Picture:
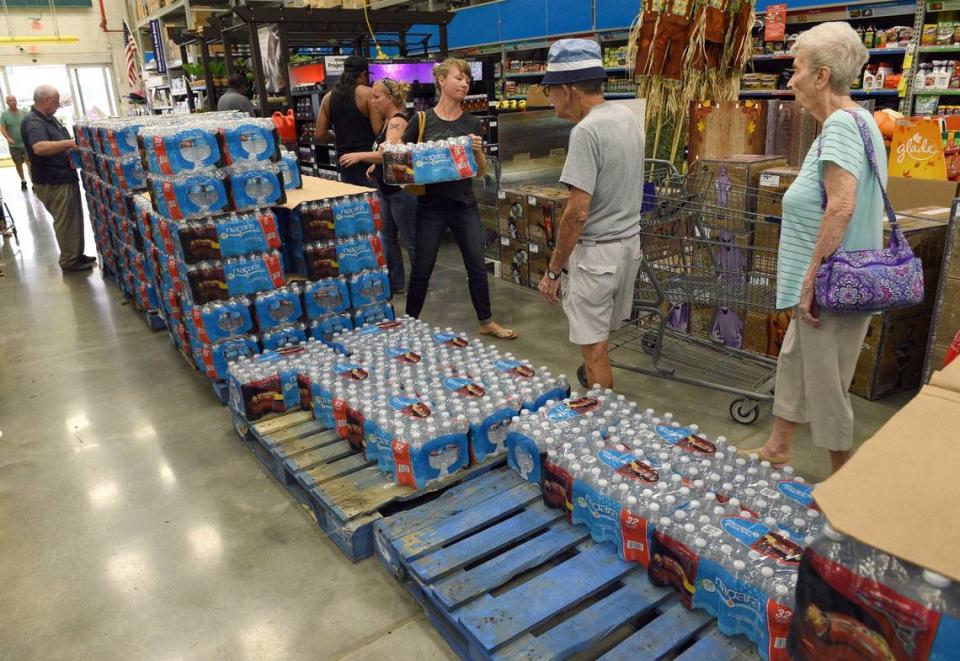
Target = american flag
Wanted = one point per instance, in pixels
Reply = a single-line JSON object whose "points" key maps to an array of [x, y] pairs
{"points": [[133, 77]]}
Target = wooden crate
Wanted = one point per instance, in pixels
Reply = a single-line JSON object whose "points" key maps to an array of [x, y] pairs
{"points": [[344, 491], [724, 128], [791, 131], [502, 576], [892, 356]]}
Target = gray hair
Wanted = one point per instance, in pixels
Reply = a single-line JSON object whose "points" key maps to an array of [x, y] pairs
{"points": [[44, 92], [836, 46]]}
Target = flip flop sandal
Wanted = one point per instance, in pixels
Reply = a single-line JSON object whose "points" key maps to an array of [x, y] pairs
{"points": [[502, 334], [776, 460]]}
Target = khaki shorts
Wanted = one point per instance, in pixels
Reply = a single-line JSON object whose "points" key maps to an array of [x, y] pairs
{"points": [[598, 288], [814, 371], [17, 155]]}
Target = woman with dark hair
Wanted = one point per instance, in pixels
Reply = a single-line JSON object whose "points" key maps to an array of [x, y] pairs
{"points": [[399, 208], [348, 111]]}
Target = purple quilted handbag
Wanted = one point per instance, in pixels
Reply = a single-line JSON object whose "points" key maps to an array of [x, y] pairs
{"points": [[870, 280]]}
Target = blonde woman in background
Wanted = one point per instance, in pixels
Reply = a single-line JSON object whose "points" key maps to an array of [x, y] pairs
{"points": [[398, 207], [451, 204]]}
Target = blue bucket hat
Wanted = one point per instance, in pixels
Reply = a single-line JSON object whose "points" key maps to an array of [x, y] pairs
{"points": [[574, 61]]}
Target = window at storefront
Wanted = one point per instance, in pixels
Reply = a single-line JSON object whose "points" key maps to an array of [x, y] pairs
{"points": [[85, 90]]}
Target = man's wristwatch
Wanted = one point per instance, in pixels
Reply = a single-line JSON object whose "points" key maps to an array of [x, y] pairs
{"points": [[552, 275]]}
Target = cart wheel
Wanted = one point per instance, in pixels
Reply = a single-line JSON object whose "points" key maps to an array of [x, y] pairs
{"points": [[649, 342], [745, 411], [582, 376]]}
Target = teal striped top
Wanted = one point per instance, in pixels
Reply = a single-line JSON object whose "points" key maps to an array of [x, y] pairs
{"points": [[802, 211]]}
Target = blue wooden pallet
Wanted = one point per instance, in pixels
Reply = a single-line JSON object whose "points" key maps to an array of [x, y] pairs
{"points": [[344, 491], [221, 390], [502, 576], [155, 320]]}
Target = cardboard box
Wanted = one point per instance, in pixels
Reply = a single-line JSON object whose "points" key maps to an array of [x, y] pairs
{"points": [[947, 321], [544, 208], [515, 261], [731, 182], [916, 447], [718, 129], [491, 232], [512, 214], [539, 261], [315, 188], [755, 333], [791, 131], [906, 192], [892, 356], [772, 184]]}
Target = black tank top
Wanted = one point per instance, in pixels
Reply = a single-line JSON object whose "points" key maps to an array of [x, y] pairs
{"points": [[352, 127], [385, 187]]}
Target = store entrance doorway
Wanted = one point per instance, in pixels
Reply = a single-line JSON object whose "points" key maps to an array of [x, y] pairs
{"points": [[85, 90]]}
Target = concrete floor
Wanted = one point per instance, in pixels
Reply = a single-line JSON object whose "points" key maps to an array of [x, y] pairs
{"points": [[133, 524]]}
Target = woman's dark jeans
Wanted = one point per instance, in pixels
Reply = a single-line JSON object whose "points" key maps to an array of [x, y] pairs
{"points": [[398, 209], [434, 216]]}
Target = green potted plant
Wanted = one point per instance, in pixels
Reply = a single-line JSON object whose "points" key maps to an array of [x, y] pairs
{"points": [[218, 69], [194, 71]]}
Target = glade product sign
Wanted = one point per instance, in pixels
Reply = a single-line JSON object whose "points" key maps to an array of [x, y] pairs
{"points": [[917, 151]]}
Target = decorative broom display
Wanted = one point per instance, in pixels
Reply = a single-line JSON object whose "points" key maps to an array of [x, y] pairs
{"points": [[687, 50]]}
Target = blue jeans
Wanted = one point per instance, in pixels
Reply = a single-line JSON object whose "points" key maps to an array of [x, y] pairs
{"points": [[434, 216], [399, 212]]}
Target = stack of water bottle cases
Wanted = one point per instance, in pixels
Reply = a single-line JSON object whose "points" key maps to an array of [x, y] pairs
{"points": [[421, 401], [202, 243], [727, 532]]}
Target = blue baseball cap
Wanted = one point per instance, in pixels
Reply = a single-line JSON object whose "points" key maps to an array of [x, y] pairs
{"points": [[574, 61]]}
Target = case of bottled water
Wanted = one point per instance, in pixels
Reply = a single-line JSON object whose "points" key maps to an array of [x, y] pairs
{"points": [[855, 601], [249, 140], [429, 162]]}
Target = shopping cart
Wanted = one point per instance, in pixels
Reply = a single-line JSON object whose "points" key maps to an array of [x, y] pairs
{"points": [[7, 222], [709, 256]]}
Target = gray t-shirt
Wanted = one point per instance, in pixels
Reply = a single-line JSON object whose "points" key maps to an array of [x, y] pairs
{"points": [[232, 100], [605, 159]]}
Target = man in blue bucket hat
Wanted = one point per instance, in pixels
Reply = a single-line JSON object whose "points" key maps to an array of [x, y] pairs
{"points": [[597, 254]]}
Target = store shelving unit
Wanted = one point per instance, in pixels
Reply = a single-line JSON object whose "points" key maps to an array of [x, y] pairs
{"points": [[537, 52], [858, 15]]}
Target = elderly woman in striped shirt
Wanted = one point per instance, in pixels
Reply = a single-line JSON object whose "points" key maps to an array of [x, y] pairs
{"points": [[836, 200]]}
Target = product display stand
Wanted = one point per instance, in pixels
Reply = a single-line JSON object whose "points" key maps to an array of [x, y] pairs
{"points": [[501, 522], [344, 490]]}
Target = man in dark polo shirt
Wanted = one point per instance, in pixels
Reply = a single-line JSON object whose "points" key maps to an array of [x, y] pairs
{"points": [[47, 142]]}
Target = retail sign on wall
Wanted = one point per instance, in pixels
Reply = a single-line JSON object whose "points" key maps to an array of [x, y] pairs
{"points": [[334, 65], [917, 151], [775, 26], [157, 40]]}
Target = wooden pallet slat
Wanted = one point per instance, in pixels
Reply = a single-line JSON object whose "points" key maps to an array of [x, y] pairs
{"points": [[661, 636], [716, 645], [344, 491], [451, 503], [496, 621], [450, 558], [637, 597], [451, 529], [501, 576], [467, 584]]}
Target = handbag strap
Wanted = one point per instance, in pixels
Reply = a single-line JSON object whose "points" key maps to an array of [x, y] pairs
{"points": [[422, 121], [872, 158]]}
